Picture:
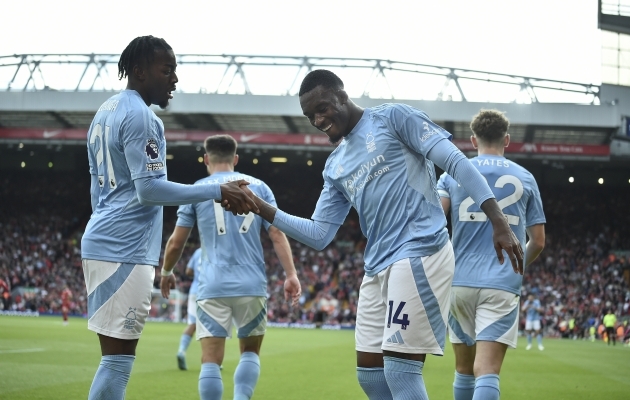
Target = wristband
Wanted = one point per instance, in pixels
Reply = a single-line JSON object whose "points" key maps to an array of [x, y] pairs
{"points": [[166, 273]]}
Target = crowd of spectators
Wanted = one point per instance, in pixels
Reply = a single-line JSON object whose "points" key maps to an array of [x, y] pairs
{"points": [[582, 272]]}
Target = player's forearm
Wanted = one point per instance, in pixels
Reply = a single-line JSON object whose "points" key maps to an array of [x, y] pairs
{"points": [[158, 192], [448, 157], [266, 210], [532, 251], [283, 251], [172, 254], [491, 208]]}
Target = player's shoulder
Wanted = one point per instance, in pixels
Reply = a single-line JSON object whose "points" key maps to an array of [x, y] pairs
{"points": [[395, 110]]}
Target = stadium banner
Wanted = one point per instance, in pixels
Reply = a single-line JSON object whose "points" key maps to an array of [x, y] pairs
{"points": [[266, 138], [20, 313], [296, 325]]}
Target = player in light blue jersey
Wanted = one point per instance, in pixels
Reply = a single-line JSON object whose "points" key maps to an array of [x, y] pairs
{"points": [[193, 268], [533, 309], [232, 283], [383, 167], [121, 244], [483, 318]]}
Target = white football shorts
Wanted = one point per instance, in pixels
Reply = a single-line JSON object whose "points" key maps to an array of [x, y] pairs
{"points": [[532, 325], [489, 315], [215, 317], [119, 297], [192, 309], [404, 308]]}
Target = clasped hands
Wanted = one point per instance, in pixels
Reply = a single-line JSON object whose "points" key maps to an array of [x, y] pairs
{"points": [[237, 198]]}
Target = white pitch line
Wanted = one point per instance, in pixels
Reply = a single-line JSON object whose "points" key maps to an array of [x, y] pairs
{"points": [[21, 351]]}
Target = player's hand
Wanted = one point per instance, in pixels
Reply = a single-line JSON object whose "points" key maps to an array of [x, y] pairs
{"points": [[237, 198], [292, 290], [166, 284], [504, 239]]}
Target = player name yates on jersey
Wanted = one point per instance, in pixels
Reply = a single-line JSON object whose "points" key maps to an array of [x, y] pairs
{"points": [[493, 162]]}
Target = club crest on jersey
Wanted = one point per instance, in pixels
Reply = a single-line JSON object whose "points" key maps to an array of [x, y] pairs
{"points": [[152, 149], [369, 143], [130, 319]]}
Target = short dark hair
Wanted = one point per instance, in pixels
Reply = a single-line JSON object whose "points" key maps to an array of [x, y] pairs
{"points": [[320, 77], [140, 49], [490, 126], [220, 148]]}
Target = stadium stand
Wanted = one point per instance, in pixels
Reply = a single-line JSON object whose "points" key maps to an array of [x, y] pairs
{"points": [[582, 272]]}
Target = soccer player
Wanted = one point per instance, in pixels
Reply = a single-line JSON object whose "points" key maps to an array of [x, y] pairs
{"points": [[121, 244], [192, 269], [533, 309], [610, 320], [66, 296], [483, 318], [383, 167], [232, 284]]}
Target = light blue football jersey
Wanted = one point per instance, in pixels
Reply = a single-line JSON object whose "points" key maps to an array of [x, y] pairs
{"points": [[233, 263], [195, 264], [516, 191], [380, 168], [125, 142], [532, 309]]}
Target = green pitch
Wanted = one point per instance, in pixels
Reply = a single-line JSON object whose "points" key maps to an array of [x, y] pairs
{"points": [[41, 359]]}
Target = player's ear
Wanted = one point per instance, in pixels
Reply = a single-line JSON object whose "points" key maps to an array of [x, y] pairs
{"points": [[139, 73], [342, 96], [473, 140], [235, 159], [506, 140], [206, 160]]}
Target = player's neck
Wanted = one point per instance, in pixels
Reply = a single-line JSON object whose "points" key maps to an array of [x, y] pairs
{"points": [[490, 151], [132, 85], [214, 168]]}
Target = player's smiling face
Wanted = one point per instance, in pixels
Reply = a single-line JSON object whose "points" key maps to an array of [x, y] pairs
{"points": [[161, 78], [327, 110]]}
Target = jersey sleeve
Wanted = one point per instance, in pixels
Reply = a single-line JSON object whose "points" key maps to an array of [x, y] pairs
{"points": [[144, 145], [267, 195], [443, 187], [186, 216], [534, 214], [415, 129], [332, 206]]}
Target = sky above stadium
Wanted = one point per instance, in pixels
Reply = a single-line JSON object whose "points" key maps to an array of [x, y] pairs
{"points": [[552, 39]]}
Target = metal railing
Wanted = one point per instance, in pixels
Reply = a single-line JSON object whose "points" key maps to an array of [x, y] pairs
{"points": [[280, 75]]}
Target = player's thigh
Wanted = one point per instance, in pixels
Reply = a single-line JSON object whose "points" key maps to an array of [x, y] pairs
{"points": [[371, 312], [418, 299], [489, 357], [250, 315], [119, 297], [462, 314], [497, 317], [212, 350], [192, 309], [214, 318]]}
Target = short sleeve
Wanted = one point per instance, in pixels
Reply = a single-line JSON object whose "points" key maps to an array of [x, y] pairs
{"points": [[415, 129], [186, 216], [442, 186], [267, 195], [332, 206], [534, 214], [142, 137]]}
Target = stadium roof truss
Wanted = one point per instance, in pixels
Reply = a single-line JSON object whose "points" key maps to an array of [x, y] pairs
{"points": [[280, 75]]}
